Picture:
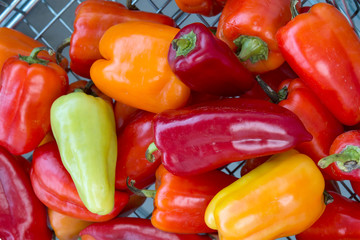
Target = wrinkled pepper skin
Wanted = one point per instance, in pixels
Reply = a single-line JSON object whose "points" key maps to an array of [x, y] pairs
{"points": [[132, 229], [194, 49], [267, 203], [135, 70], [340, 221], [55, 188], [84, 129], [253, 18], [92, 19], [23, 216], [27, 92], [224, 131], [322, 48], [206, 8]]}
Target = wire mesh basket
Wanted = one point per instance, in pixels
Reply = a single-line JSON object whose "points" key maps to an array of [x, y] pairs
{"points": [[52, 21]]}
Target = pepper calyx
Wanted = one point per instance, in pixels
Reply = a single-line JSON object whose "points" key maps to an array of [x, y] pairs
{"points": [[33, 58], [251, 48], [185, 44], [347, 160]]}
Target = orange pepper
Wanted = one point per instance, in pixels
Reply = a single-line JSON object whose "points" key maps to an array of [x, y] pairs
{"points": [[135, 70]]}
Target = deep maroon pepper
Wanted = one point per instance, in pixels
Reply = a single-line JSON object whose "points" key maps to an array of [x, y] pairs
{"points": [[340, 221], [132, 229], [204, 137], [206, 64], [22, 215]]}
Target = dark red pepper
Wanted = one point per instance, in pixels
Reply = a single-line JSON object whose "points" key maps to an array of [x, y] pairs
{"points": [[194, 49], [356, 187], [207, 136], [23, 216]]}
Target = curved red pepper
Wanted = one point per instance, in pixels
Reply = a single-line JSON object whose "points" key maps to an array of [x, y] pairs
{"points": [[194, 49], [204, 137], [27, 91], [322, 48], [132, 229], [55, 188], [340, 221], [23, 216]]}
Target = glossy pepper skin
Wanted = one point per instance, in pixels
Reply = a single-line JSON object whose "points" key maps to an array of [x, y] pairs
{"points": [[322, 48], [132, 229], [207, 8], [84, 50], [135, 70], [224, 131], [23, 216], [84, 129], [55, 188], [340, 221], [267, 203], [27, 91], [194, 49], [249, 28]]}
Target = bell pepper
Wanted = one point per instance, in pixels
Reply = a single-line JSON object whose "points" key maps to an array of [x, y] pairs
{"points": [[84, 129], [344, 157], [92, 19], [194, 49], [180, 202], [132, 144], [249, 28], [321, 47], [206, 8], [135, 70], [29, 86], [23, 216], [340, 221], [132, 229], [280, 198], [222, 132], [55, 188]]}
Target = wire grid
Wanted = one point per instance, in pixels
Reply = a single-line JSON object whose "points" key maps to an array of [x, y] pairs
{"points": [[52, 21]]}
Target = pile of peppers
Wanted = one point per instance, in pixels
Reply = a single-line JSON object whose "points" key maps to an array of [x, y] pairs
{"points": [[274, 88]]}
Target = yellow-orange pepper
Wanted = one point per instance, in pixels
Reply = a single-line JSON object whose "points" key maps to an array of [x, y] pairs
{"points": [[282, 197], [135, 70]]}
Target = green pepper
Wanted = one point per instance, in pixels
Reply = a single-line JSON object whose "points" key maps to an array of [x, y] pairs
{"points": [[84, 129]]}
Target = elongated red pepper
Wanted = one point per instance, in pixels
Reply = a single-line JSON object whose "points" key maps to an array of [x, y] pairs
{"points": [[194, 49], [204, 137], [23, 216], [340, 221], [55, 188], [92, 19], [322, 48], [132, 229], [29, 86]]}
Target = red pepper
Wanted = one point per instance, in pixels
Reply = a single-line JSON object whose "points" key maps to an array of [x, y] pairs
{"points": [[123, 115], [344, 158], [322, 48], [194, 49], [207, 136], [356, 187], [180, 202], [23, 216], [92, 19], [132, 229], [340, 221], [249, 28], [207, 8], [55, 188], [29, 86], [132, 144]]}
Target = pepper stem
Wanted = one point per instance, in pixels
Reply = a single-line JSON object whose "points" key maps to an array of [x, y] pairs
{"points": [[185, 44], [293, 9], [135, 190], [65, 43], [130, 5], [272, 94], [149, 152], [328, 198], [251, 48], [33, 58], [346, 161]]}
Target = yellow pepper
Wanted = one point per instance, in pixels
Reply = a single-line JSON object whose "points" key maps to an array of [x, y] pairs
{"points": [[282, 197]]}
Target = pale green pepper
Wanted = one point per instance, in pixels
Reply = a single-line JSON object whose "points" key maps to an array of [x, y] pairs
{"points": [[84, 129]]}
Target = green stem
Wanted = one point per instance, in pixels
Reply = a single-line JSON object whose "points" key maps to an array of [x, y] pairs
{"points": [[327, 198], [185, 44], [135, 190], [251, 48], [65, 43], [272, 94], [346, 161], [293, 9], [33, 58], [149, 152]]}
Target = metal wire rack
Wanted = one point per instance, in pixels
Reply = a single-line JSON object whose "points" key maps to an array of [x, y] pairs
{"points": [[52, 21]]}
